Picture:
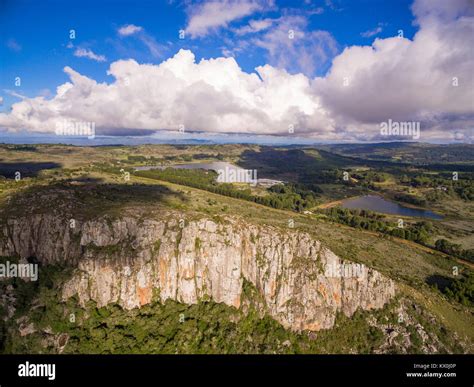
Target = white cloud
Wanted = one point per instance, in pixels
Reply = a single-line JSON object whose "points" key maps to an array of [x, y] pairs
{"points": [[213, 95], [226, 52], [255, 26], [129, 29], [209, 16], [330, 4], [86, 53], [290, 45], [45, 92], [156, 50], [369, 33], [439, 11], [14, 94], [153, 46], [428, 79]]}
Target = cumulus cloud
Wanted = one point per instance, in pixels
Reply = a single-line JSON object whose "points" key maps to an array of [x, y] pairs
{"points": [[86, 53], [213, 95], [206, 17], [428, 79], [129, 29], [439, 11]]}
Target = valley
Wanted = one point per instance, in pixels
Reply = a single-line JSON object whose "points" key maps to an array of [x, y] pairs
{"points": [[171, 261]]}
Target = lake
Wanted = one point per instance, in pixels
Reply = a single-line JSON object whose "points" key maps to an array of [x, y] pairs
{"points": [[227, 172], [379, 204], [214, 165]]}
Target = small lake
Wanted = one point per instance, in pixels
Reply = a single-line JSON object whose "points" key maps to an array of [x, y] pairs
{"points": [[228, 173], [214, 165], [378, 204]]}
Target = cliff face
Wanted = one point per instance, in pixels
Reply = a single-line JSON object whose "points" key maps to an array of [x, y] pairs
{"points": [[129, 260]]}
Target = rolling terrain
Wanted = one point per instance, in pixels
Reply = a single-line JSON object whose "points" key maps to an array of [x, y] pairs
{"points": [[155, 262]]}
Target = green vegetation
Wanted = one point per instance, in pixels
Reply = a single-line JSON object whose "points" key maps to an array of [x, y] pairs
{"points": [[418, 232], [294, 197], [86, 183], [206, 327], [372, 221], [410, 153], [26, 293], [462, 290], [454, 249]]}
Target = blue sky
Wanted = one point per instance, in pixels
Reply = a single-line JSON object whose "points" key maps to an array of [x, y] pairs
{"points": [[41, 33], [329, 70]]}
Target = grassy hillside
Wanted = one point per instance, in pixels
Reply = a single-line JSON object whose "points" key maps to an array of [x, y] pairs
{"points": [[88, 183]]}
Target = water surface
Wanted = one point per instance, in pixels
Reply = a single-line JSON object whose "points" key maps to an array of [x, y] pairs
{"points": [[379, 204], [213, 165]]}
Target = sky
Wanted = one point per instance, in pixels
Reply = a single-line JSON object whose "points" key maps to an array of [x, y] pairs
{"points": [[321, 70]]}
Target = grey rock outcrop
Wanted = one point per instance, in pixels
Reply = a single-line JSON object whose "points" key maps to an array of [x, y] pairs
{"points": [[129, 261]]}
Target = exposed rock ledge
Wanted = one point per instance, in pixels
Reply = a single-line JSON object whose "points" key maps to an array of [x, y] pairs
{"points": [[127, 260]]}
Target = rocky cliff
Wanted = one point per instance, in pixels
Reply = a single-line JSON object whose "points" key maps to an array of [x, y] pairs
{"points": [[129, 260]]}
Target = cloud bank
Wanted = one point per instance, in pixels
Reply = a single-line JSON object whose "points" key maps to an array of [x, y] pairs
{"points": [[428, 79]]}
